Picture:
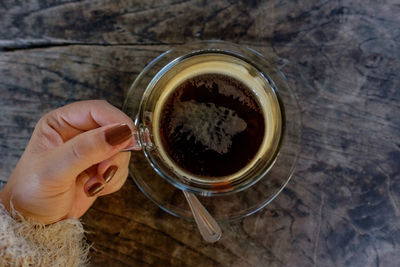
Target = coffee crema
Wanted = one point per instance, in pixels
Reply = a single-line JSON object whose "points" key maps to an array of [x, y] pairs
{"points": [[212, 125]]}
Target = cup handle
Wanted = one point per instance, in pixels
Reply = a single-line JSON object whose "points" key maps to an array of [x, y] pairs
{"points": [[144, 139], [138, 145]]}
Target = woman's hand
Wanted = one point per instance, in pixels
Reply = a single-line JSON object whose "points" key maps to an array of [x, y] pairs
{"points": [[72, 158]]}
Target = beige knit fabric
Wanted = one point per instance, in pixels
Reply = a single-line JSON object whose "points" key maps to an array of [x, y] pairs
{"points": [[26, 243]]}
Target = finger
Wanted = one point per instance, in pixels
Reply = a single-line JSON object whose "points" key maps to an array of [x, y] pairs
{"points": [[110, 175], [117, 182], [114, 172], [82, 202], [73, 119], [108, 168], [94, 185], [87, 149], [91, 171], [89, 178]]}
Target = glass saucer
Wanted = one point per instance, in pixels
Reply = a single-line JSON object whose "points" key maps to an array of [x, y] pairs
{"points": [[237, 204]]}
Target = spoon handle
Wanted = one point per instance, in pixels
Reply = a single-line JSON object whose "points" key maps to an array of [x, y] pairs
{"points": [[208, 227]]}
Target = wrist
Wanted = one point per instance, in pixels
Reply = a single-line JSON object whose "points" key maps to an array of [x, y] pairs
{"points": [[4, 198]]}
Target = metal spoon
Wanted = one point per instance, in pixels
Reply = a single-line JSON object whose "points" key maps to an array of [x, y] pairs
{"points": [[208, 227]]}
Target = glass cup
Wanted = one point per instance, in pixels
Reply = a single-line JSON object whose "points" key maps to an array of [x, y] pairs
{"points": [[157, 82]]}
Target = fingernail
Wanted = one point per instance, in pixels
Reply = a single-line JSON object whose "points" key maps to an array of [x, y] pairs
{"points": [[94, 189], [135, 141], [109, 174], [118, 134]]}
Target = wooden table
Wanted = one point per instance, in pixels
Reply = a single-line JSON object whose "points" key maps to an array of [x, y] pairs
{"points": [[342, 206]]}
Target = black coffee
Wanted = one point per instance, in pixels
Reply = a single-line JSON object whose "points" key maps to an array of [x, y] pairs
{"points": [[212, 125]]}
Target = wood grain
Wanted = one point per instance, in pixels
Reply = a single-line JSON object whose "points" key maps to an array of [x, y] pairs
{"points": [[341, 208]]}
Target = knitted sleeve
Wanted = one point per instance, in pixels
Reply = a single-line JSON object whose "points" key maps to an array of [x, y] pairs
{"points": [[26, 243]]}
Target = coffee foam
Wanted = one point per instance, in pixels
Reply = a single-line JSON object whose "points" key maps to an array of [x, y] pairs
{"points": [[231, 67], [226, 89], [208, 124]]}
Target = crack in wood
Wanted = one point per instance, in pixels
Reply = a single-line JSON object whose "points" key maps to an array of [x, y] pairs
{"points": [[8, 46]]}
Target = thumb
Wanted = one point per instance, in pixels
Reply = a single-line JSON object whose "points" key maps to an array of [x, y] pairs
{"points": [[89, 148]]}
